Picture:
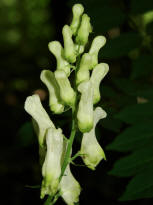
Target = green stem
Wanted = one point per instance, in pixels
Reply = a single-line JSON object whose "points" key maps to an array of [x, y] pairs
{"points": [[69, 147]]}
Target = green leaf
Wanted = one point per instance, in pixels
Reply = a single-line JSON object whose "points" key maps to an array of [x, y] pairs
{"points": [[142, 67], [135, 114], [121, 46], [133, 137], [111, 124], [141, 186], [133, 163]]}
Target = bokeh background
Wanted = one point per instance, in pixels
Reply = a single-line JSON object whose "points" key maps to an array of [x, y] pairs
{"points": [[26, 27]]}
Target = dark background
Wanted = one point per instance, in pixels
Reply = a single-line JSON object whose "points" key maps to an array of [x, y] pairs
{"points": [[26, 27]]}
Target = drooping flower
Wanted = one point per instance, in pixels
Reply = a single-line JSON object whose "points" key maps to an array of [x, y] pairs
{"points": [[85, 109], [98, 74], [34, 107], [51, 168], [67, 93], [56, 48], [91, 151], [49, 80]]}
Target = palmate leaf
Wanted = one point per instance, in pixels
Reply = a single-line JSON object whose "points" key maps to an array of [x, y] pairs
{"points": [[134, 163], [135, 114], [141, 186], [133, 137]]}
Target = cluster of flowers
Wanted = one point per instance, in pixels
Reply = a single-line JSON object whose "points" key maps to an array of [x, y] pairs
{"points": [[88, 75]]}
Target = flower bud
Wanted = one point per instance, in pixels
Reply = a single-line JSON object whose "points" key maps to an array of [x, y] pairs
{"points": [[69, 188], [85, 110], [97, 75], [96, 45], [84, 30], [83, 72], [56, 48], [79, 49], [34, 107], [91, 151], [69, 48], [51, 168], [77, 13], [49, 80], [67, 93]]}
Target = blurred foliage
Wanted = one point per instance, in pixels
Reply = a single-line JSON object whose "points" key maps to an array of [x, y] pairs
{"points": [[127, 96]]}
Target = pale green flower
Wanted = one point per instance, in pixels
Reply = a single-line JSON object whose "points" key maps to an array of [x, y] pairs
{"points": [[34, 107], [51, 168], [98, 74], [91, 151], [96, 45], [67, 93], [79, 49], [77, 13], [85, 110], [69, 47], [83, 71], [49, 80], [56, 48], [84, 30], [69, 188]]}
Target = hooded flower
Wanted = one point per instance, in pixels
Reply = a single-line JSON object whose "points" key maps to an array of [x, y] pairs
{"points": [[97, 44], [51, 169], [98, 74], [69, 187], [77, 13], [49, 80], [34, 107], [69, 47], [67, 93], [84, 30], [85, 110], [83, 71], [56, 48], [91, 151]]}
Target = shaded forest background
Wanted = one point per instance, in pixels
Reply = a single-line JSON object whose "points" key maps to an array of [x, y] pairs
{"points": [[26, 27]]}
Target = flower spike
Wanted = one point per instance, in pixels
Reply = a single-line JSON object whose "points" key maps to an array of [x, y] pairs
{"points": [[34, 107], [91, 151], [48, 78], [51, 169], [56, 48]]}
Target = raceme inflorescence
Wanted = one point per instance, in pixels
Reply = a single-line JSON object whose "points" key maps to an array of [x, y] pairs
{"points": [[55, 149]]}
